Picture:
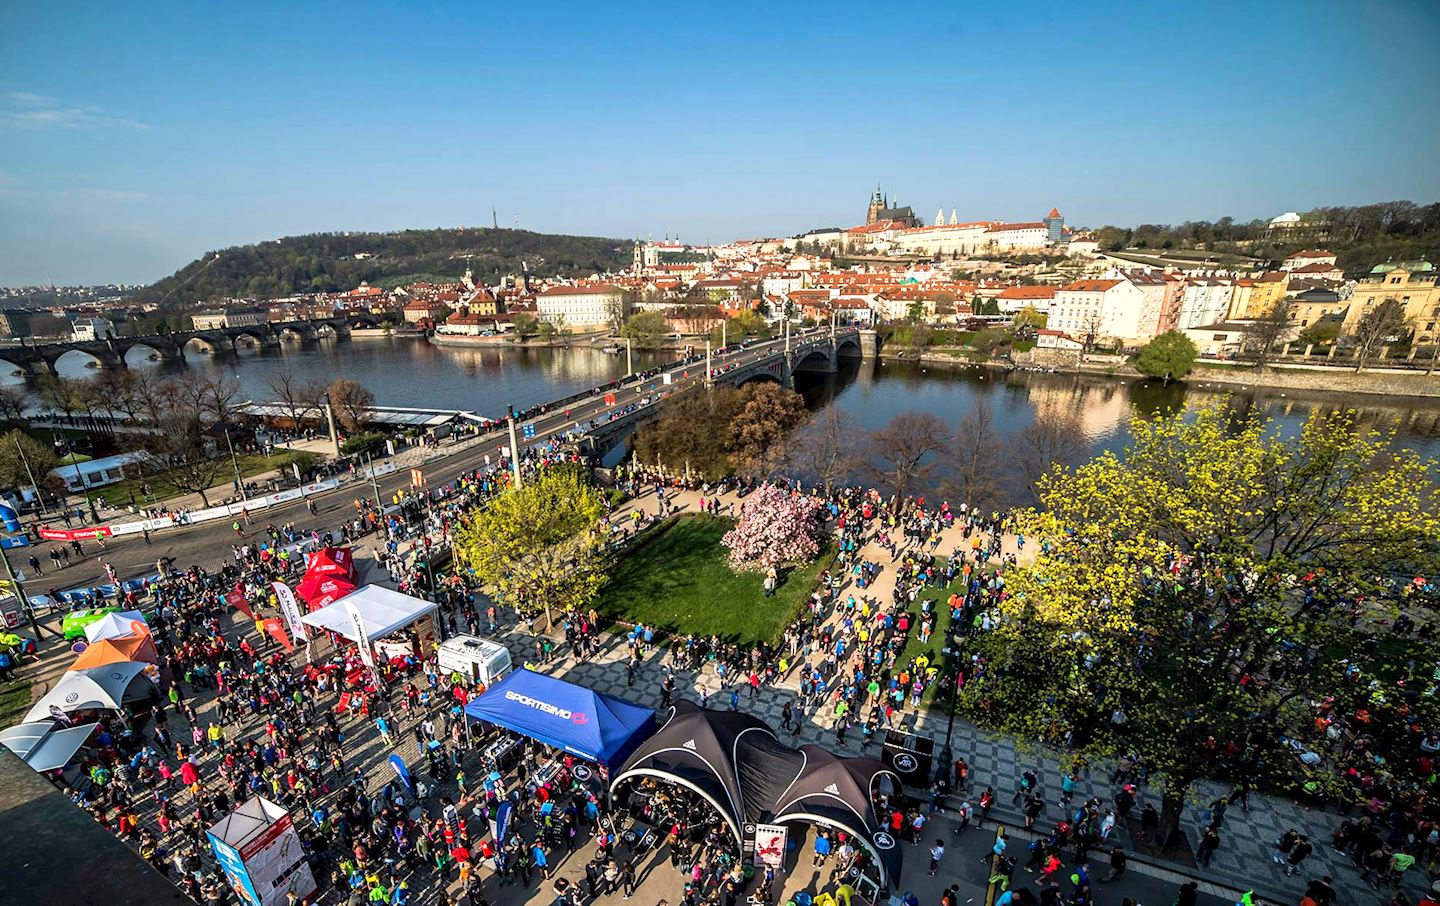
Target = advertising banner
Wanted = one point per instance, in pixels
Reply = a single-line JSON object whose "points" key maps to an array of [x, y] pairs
{"points": [[81, 534], [234, 867], [236, 599], [277, 631], [291, 609], [770, 844]]}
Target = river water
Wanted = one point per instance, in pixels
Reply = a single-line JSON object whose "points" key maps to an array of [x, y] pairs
{"points": [[410, 372]]}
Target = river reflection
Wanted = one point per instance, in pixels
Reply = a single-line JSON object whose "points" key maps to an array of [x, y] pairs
{"points": [[417, 373]]}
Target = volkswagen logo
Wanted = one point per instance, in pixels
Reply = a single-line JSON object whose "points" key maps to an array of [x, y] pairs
{"points": [[582, 772], [72, 698], [883, 840], [905, 763]]}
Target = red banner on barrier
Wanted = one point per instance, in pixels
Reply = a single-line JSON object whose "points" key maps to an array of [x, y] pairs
{"points": [[51, 534]]}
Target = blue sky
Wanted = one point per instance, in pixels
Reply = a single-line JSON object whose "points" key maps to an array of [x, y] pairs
{"points": [[134, 138]]}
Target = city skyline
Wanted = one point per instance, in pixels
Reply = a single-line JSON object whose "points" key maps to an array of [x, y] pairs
{"points": [[129, 147]]}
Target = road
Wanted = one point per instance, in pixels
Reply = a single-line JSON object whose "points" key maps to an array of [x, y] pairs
{"points": [[209, 544]]}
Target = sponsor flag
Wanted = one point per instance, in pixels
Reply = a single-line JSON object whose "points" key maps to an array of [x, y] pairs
{"points": [[236, 599], [291, 610], [277, 631]]}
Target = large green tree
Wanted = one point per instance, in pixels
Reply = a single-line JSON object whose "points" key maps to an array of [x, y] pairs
{"points": [[19, 450], [1169, 356], [646, 329], [538, 546], [1208, 594]]}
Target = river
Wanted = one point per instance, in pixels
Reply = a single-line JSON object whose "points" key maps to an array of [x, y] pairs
{"points": [[408, 372]]}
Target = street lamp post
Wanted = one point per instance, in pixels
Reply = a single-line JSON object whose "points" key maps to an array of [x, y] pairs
{"points": [[235, 464]]}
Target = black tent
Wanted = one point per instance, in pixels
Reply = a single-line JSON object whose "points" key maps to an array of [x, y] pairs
{"points": [[839, 793], [695, 748], [735, 762]]}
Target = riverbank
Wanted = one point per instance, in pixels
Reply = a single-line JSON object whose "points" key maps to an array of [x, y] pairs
{"points": [[1373, 382]]}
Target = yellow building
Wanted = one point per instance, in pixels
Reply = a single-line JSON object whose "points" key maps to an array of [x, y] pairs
{"points": [[1256, 297], [1413, 284]]}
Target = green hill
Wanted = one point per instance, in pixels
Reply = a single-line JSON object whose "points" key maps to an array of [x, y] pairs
{"points": [[328, 262]]}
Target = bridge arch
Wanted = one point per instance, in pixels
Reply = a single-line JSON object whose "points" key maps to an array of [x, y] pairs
{"points": [[365, 321], [325, 330], [73, 358], [292, 334], [249, 339], [203, 344], [849, 345], [142, 353]]}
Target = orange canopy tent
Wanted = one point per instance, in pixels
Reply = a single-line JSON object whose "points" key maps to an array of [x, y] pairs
{"points": [[113, 651]]}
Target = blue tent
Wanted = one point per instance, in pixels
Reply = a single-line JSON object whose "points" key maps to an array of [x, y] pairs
{"points": [[581, 721]]}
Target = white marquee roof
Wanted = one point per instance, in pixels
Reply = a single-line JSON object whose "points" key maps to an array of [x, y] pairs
{"points": [[381, 610]]}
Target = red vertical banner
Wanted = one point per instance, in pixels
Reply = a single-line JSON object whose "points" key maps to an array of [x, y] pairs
{"points": [[277, 630], [237, 600]]}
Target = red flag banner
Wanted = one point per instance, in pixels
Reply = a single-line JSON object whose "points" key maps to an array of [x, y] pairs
{"points": [[277, 631], [237, 600]]}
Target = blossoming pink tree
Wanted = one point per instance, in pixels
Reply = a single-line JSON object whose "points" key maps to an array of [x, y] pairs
{"points": [[774, 529]]}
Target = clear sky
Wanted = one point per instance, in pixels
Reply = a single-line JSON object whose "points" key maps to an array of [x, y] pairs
{"points": [[135, 137]]}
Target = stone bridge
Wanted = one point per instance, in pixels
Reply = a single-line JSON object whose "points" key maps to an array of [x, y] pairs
{"points": [[110, 352]]}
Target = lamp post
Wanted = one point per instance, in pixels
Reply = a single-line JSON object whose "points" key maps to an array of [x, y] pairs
{"points": [[235, 464]]}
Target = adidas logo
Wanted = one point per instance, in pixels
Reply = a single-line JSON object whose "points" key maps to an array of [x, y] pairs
{"points": [[833, 790], [690, 744]]}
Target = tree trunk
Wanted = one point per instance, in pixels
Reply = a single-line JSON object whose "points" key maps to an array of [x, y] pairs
{"points": [[1169, 835], [204, 501]]}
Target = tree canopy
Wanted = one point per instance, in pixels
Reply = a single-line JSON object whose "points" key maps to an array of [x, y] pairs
{"points": [[328, 262], [538, 546], [1205, 597], [1169, 356]]}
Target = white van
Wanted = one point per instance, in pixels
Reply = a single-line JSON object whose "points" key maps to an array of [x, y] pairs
{"points": [[482, 660]]}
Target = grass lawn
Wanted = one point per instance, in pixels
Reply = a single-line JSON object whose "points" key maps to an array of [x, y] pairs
{"points": [[676, 578], [14, 702], [251, 464]]}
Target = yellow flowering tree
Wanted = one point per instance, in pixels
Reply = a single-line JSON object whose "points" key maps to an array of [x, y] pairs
{"points": [[1207, 597], [538, 546]]}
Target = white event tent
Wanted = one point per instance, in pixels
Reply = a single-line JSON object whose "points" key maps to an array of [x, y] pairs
{"points": [[108, 687], [117, 625], [46, 745], [381, 611]]}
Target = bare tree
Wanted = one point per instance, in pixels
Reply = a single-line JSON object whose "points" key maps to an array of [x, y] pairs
{"points": [[1268, 334], [977, 457], [115, 391], [1378, 328], [909, 447], [12, 403], [181, 453], [826, 446], [63, 394], [1053, 439], [352, 403], [1090, 326], [295, 397]]}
